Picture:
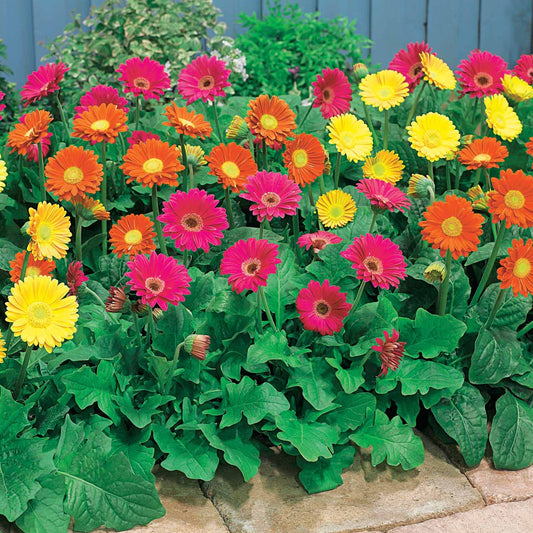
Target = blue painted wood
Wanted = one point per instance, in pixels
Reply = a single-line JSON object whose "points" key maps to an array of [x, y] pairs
{"points": [[359, 10], [231, 10], [307, 6]]}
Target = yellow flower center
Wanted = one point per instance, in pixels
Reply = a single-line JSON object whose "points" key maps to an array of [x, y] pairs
{"points": [[73, 175], [299, 158], [100, 125], [186, 122], [514, 199], [499, 120], [133, 236], [269, 122], [347, 138], [231, 169], [522, 268], [29, 133], [379, 169], [336, 211], [452, 227], [432, 138], [153, 165], [385, 93], [32, 272], [44, 232], [39, 314], [482, 158]]}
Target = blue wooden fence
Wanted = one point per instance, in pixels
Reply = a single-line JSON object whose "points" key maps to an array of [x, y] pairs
{"points": [[451, 27]]}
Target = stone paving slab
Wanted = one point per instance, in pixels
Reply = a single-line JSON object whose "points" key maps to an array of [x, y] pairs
{"points": [[371, 497]]}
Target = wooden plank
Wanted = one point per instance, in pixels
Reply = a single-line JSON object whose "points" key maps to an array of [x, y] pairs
{"points": [[360, 11], [231, 10]]}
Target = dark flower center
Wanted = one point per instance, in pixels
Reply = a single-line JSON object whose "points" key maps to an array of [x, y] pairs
{"points": [[327, 95], [154, 285], [192, 222], [206, 82], [270, 199], [319, 244], [251, 266], [373, 264], [322, 308], [141, 83], [415, 69], [482, 79]]}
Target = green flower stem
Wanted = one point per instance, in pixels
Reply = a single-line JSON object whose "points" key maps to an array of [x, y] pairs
{"points": [[137, 112], [337, 170], [310, 193], [306, 115], [101, 302], [442, 298], [63, 117], [137, 329], [524, 330], [296, 228], [495, 308], [490, 263], [166, 387], [374, 216], [41, 172], [217, 122], [229, 209], [431, 193], [477, 176], [487, 179], [322, 184], [386, 130], [78, 221], [457, 173], [103, 197], [191, 177], [430, 170], [184, 159], [267, 309], [415, 103], [261, 228], [155, 211], [22, 373], [150, 328], [265, 155], [185, 258], [448, 177], [259, 314], [358, 297], [369, 123]]}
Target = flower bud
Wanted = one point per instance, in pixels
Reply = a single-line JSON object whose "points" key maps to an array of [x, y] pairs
{"points": [[480, 199], [238, 129], [197, 345], [436, 272], [421, 186], [360, 71], [116, 300]]}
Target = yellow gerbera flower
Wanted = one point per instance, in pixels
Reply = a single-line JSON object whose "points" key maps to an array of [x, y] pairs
{"points": [[335, 209], [385, 166], [384, 90], [3, 174], [437, 72], [41, 312], [433, 135], [351, 136], [2, 348], [49, 229], [516, 88], [501, 117]]}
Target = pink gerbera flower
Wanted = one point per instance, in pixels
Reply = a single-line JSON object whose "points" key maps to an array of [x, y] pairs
{"points": [[273, 195], [322, 308], [101, 94], [318, 240], [158, 279], [32, 153], [75, 277], [204, 77], [333, 93], [407, 62], [44, 81], [2, 106], [524, 68], [139, 136], [376, 259], [384, 195], [249, 264], [390, 351], [145, 77], [193, 220], [481, 74]]}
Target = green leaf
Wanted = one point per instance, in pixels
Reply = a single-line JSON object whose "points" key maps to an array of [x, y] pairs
{"points": [[334, 268], [352, 410], [269, 346], [484, 252], [408, 407], [172, 329], [350, 378], [140, 457], [7, 253], [142, 416]]}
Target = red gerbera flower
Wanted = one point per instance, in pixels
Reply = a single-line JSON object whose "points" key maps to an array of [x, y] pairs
{"points": [[333, 93], [318, 240], [390, 351], [75, 277], [139, 136], [384, 195], [407, 62], [481, 74], [44, 81], [101, 94], [145, 77], [524, 68]]}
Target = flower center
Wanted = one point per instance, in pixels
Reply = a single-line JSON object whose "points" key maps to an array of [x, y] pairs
{"points": [[33, 271], [44, 232], [385, 93], [153, 165], [154, 285], [73, 175], [269, 122], [29, 133], [100, 125], [319, 243], [141, 83], [499, 120], [373, 264], [327, 95], [432, 138], [482, 158], [452, 227], [415, 70], [322, 308], [206, 82], [514, 199], [379, 169], [133, 236], [522, 268], [231, 169], [336, 211], [482, 79], [192, 222], [270, 199], [348, 139], [186, 122], [39, 314], [250, 267], [299, 158]]}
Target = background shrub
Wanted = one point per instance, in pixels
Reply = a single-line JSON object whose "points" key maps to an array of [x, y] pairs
{"points": [[8, 88]]}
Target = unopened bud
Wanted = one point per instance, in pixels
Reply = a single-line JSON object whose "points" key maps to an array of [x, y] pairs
{"points": [[197, 345], [436, 272], [360, 71]]}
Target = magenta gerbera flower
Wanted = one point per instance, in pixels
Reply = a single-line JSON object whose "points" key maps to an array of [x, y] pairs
{"points": [[75, 277], [33, 149], [318, 240], [407, 62], [390, 351], [44, 81], [204, 77], [249, 263], [193, 220], [2, 106], [101, 94], [481, 74], [333, 93], [145, 77], [273, 195], [524, 68], [384, 195], [158, 279], [322, 308], [376, 259], [139, 136]]}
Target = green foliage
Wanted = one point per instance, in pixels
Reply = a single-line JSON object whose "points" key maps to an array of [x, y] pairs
{"points": [[8, 88]]}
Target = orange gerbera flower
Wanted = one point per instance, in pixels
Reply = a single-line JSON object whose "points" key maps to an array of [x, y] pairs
{"points": [[187, 122], [487, 152], [232, 164], [270, 119], [152, 162], [452, 225], [132, 235], [32, 131], [304, 159], [100, 123], [90, 208], [36, 267], [516, 271], [529, 147], [73, 171], [512, 198]]}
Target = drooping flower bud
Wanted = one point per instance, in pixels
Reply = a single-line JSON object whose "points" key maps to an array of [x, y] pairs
{"points": [[197, 345], [421, 186], [116, 300]]}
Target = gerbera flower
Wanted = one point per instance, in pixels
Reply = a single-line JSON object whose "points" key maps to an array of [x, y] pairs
{"points": [[384, 195], [376, 259], [516, 271], [145, 78], [139, 136], [33, 130], [481, 74], [270, 119], [385, 89], [3, 174], [187, 122], [152, 162], [304, 159], [272, 195], [197, 346], [132, 235], [318, 240], [204, 77], [232, 164], [49, 229], [158, 280], [385, 166], [512, 198], [36, 267], [322, 308], [42, 82], [238, 129], [100, 123], [3, 352], [407, 62], [335, 209], [351, 137], [516, 88], [480, 199], [524, 68], [193, 220], [90, 208], [249, 263], [75, 277], [41, 313], [433, 135], [116, 300], [32, 153], [502, 118], [437, 72], [452, 225], [390, 351], [333, 93], [487, 152], [100, 94], [195, 156]]}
